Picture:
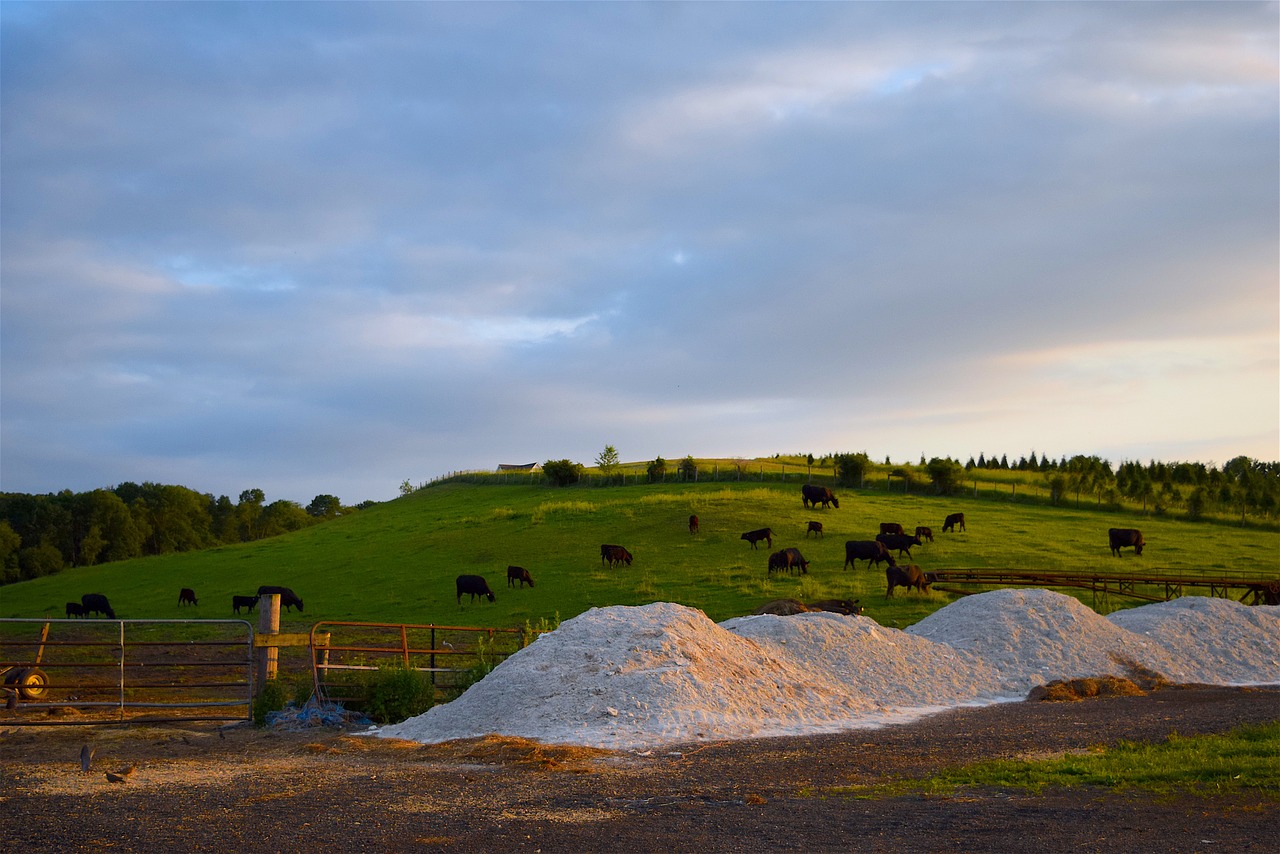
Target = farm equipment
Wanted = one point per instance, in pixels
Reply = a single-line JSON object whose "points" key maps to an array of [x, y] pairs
{"points": [[26, 681]]}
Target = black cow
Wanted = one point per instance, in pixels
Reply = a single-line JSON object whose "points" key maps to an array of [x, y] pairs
{"points": [[757, 535], [605, 551], [901, 542], [518, 573], [891, 528], [812, 495], [75, 609], [953, 519], [238, 602], [476, 586], [1123, 538], [779, 561], [814, 528], [618, 555], [924, 533], [287, 597], [908, 577], [872, 551], [693, 524], [96, 603], [187, 596]]}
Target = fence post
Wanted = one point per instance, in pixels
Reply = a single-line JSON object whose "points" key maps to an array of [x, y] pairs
{"points": [[268, 624]]}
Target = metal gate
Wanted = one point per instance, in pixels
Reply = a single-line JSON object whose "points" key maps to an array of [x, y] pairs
{"points": [[61, 672], [346, 655]]}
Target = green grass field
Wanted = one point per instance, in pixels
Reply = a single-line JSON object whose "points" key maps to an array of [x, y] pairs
{"points": [[396, 562]]}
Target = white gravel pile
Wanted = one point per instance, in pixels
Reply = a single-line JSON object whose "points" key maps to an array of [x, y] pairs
{"points": [[641, 677]]}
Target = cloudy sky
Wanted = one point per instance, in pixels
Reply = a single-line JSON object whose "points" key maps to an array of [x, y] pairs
{"points": [[325, 248]]}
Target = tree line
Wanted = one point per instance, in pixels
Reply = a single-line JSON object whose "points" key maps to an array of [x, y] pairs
{"points": [[1243, 486], [43, 534]]}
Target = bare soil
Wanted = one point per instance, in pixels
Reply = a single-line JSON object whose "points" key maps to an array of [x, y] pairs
{"points": [[201, 787]]}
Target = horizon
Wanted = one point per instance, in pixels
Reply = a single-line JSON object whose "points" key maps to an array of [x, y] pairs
{"points": [[320, 248]]}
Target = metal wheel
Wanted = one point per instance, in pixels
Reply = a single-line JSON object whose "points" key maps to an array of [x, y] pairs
{"points": [[31, 684]]}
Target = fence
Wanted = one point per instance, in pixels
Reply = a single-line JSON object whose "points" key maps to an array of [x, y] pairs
{"points": [[346, 656], [139, 671]]}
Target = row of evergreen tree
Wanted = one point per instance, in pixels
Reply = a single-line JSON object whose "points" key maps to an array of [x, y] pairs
{"points": [[43, 534]]}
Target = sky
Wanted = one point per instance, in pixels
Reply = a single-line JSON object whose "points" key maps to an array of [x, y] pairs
{"points": [[325, 248]]}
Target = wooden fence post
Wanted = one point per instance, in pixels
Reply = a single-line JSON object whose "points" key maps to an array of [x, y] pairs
{"points": [[268, 624]]}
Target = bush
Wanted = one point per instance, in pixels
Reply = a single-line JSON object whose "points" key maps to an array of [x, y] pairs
{"points": [[852, 468], [562, 472], [657, 470], [271, 698], [397, 693]]}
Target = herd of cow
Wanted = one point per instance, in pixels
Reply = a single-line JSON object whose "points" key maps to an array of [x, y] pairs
{"points": [[892, 537], [96, 603]]}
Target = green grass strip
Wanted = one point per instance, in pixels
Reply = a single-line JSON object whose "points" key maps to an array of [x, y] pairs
{"points": [[1244, 759]]}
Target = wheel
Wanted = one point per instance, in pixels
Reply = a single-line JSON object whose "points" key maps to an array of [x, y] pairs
{"points": [[31, 684]]}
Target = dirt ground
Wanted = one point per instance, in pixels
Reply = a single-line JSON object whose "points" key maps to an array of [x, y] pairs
{"points": [[201, 787]]}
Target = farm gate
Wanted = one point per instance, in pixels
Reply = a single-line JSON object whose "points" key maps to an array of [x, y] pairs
{"points": [[75, 671], [346, 656]]}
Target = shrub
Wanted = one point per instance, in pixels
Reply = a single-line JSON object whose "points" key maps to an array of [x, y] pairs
{"points": [[562, 472], [271, 698], [397, 693], [657, 470]]}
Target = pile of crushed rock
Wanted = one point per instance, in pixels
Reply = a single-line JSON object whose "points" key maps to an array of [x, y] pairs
{"points": [[628, 678]]}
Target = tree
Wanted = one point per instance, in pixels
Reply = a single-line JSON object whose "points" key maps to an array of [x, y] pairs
{"points": [[607, 462], [688, 469], [10, 545], [324, 506], [562, 472], [657, 469], [851, 469], [946, 475]]}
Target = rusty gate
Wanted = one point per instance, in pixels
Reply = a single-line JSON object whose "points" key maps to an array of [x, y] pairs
{"points": [[133, 671], [346, 655]]}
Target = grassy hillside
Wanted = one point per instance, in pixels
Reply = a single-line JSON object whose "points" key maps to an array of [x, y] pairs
{"points": [[396, 562]]}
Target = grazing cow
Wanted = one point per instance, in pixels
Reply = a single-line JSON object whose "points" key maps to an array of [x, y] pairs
{"points": [[872, 551], [693, 524], [287, 597], [891, 528], [1125, 537], [187, 596], [812, 495], [795, 559], [814, 528], [779, 561], [238, 602], [757, 535], [605, 551], [75, 609], [908, 577], [476, 586], [518, 573], [953, 519], [96, 603], [901, 542], [617, 555], [924, 533]]}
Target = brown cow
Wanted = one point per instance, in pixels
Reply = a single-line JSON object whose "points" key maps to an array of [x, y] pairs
{"points": [[814, 528], [908, 577], [618, 555], [901, 542], [518, 573], [891, 528], [812, 495], [757, 535], [693, 524], [952, 520], [924, 533], [1123, 538]]}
